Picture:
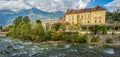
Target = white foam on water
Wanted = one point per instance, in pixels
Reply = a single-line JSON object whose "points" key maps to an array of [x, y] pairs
{"points": [[62, 55], [53, 56], [19, 42], [25, 52], [55, 45], [14, 54], [7, 40], [67, 46], [72, 50], [20, 47], [32, 53], [90, 47], [109, 51], [27, 43]]}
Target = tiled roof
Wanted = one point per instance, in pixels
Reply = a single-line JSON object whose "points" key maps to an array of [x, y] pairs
{"points": [[97, 8]]}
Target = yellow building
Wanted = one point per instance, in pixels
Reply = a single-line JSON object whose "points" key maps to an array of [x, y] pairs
{"points": [[87, 16]]}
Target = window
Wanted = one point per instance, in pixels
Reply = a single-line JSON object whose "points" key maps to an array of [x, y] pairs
{"points": [[99, 21], [88, 22], [95, 21]]}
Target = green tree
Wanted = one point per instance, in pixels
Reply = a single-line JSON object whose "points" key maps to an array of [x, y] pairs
{"points": [[38, 31], [113, 16], [48, 35], [56, 26], [1, 27], [95, 39], [109, 41], [104, 29], [83, 39], [11, 31], [60, 17], [17, 21], [38, 21], [26, 19], [63, 27], [96, 29]]}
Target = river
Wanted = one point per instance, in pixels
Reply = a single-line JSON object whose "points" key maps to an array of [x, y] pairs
{"points": [[16, 48]]}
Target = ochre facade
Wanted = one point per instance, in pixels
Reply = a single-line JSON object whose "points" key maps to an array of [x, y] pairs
{"points": [[88, 16]]}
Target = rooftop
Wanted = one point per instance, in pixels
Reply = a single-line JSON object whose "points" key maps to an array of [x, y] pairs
{"points": [[97, 8]]}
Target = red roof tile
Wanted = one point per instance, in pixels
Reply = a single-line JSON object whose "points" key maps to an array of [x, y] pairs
{"points": [[97, 8]]}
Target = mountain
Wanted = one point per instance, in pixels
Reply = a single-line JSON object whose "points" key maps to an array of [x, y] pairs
{"points": [[7, 16]]}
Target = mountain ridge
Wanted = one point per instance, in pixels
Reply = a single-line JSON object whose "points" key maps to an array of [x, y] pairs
{"points": [[7, 16]]}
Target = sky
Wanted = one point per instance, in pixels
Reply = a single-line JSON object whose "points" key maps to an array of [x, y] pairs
{"points": [[57, 5]]}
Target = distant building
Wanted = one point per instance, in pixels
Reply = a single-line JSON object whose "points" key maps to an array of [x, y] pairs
{"points": [[87, 16], [47, 24]]}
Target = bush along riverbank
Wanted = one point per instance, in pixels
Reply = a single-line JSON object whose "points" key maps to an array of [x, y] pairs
{"points": [[23, 29]]}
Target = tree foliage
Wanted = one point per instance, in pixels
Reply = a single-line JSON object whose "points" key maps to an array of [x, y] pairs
{"points": [[109, 41], [95, 39], [1, 27], [17, 21], [96, 29], [26, 19], [99, 29], [113, 16], [25, 30], [104, 29]]}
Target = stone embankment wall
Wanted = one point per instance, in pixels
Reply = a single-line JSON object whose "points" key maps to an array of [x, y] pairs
{"points": [[115, 38]]}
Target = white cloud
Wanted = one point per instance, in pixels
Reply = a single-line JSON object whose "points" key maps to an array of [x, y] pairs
{"points": [[13, 5], [115, 4], [45, 5], [83, 3]]}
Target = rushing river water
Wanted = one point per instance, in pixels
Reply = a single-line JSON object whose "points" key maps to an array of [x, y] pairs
{"points": [[15, 48]]}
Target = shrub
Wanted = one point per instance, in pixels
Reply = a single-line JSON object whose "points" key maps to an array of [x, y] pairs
{"points": [[95, 39], [74, 38], [83, 39], [48, 35], [109, 41]]}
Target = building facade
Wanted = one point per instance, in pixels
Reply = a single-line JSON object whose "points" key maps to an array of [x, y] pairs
{"points": [[49, 22], [88, 16]]}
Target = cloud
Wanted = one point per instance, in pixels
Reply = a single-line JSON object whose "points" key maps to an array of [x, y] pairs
{"points": [[14, 5], [83, 3], [115, 4], [45, 5]]}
